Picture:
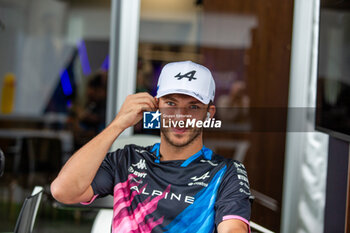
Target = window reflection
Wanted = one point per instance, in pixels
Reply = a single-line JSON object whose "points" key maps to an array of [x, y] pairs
{"points": [[53, 75]]}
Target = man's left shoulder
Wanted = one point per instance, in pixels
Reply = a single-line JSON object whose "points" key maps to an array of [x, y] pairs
{"points": [[230, 163], [233, 167]]}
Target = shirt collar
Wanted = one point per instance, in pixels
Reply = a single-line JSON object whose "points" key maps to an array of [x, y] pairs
{"points": [[206, 152]]}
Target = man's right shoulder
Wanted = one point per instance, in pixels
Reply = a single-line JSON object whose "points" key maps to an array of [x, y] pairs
{"points": [[129, 153], [132, 149]]}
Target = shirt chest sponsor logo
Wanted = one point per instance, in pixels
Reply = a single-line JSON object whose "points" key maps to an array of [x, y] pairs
{"points": [[141, 165], [199, 180], [168, 196]]}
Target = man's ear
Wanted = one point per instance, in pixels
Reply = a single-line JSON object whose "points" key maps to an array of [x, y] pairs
{"points": [[212, 110]]}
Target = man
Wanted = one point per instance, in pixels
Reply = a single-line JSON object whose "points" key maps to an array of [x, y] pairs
{"points": [[175, 186]]}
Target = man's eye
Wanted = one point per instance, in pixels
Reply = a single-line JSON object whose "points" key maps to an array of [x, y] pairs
{"points": [[194, 107], [170, 103]]}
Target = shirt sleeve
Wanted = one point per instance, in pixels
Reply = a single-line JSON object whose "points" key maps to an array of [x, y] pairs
{"points": [[103, 182], [233, 195]]}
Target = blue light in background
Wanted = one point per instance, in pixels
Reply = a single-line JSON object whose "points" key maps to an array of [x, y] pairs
{"points": [[69, 103], [65, 83], [105, 64], [84, 60]]}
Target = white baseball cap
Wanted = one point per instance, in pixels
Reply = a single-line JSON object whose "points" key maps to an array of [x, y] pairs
{"points": [[187, 78]]}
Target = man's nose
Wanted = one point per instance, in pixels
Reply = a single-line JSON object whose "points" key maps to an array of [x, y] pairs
{"points": [[181, 113]]}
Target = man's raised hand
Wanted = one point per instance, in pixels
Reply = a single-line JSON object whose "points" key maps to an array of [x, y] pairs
{"points": [[132, 109]]}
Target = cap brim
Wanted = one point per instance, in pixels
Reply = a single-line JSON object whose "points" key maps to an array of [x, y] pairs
{"points": [[184, 92]]}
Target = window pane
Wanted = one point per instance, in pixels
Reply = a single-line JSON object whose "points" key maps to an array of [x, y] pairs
{"points": [[53, 76]]}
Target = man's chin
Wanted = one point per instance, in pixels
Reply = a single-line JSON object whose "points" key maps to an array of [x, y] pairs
{"points": [[180, 137], [179, 143]]}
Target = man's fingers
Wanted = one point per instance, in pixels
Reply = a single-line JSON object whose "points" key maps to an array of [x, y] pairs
{"points": [[141, 107], [141, 94], [133, 107], [147, 101], [151, 105], [146, 107], [145, 95]]}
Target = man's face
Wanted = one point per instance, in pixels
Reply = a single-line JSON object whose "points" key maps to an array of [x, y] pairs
{"points": [[179, 107]]}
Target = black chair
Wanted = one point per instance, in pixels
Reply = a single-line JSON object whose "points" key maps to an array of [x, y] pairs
{"points": [[256, 228], [26, 219], [2, 163]]}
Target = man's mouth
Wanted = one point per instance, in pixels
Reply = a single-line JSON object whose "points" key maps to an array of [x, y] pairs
{"points": [[179, 130]]}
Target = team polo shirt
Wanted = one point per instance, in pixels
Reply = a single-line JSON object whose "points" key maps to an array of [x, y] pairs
{"points": [[152, 196]]}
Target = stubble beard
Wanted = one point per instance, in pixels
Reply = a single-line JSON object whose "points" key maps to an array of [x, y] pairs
{"points": [[194, 134]]}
